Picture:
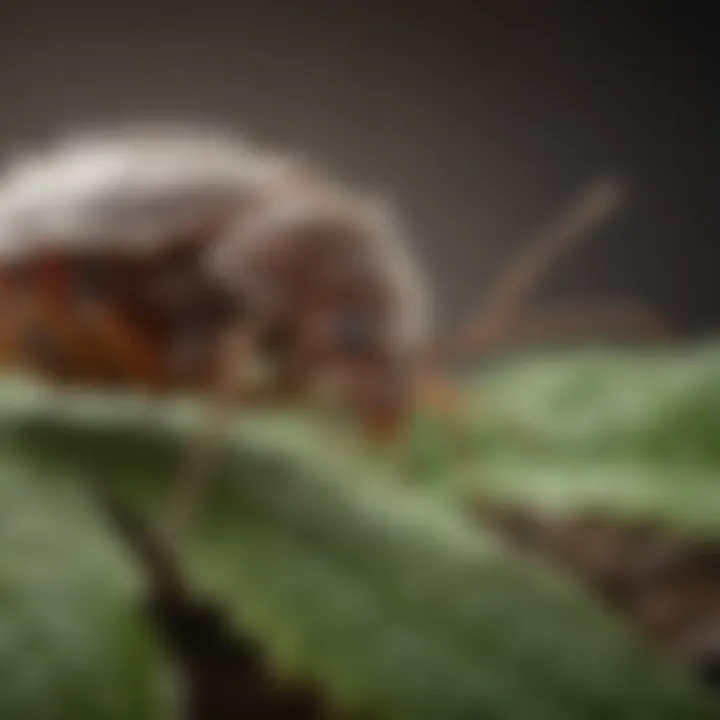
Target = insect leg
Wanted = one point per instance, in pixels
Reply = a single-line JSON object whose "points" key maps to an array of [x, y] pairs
{"points": [[229, 383]]}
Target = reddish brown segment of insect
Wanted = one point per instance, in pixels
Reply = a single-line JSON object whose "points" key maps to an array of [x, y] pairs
{"points": [[72, 351], [33, 318], [10, 355], [124, 331], [137, 357], [118, 333]]}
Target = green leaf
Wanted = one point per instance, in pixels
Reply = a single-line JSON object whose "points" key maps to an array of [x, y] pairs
{"points": [[384, 596], [633, 433], [72, 646]]}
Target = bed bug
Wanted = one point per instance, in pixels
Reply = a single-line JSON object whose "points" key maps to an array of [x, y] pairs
{"points": [[186, 259]]}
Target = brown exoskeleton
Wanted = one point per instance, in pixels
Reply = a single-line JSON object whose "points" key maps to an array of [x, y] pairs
{"points": [[179, 259]]}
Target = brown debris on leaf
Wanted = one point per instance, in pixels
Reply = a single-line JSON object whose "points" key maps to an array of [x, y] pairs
{"points": [[665, 585]]}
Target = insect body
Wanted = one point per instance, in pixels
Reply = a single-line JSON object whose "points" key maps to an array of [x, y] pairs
{"points": [[128, 258]]}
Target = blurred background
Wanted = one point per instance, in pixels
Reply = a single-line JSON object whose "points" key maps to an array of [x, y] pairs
{"points": [[480, 120]]}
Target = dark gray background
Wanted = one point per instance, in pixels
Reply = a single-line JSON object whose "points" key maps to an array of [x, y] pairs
{"points": [[479, 119]]}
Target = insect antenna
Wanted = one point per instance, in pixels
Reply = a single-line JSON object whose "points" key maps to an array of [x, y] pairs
{"points": [[510, 293], [502, 316]]}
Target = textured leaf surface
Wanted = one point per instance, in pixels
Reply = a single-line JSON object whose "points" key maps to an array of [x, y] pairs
{"points": [[633, 433], [71, 645], [383, 595]]}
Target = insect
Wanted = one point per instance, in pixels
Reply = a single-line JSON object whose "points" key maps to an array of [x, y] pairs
{"points": [[184, 259]]}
